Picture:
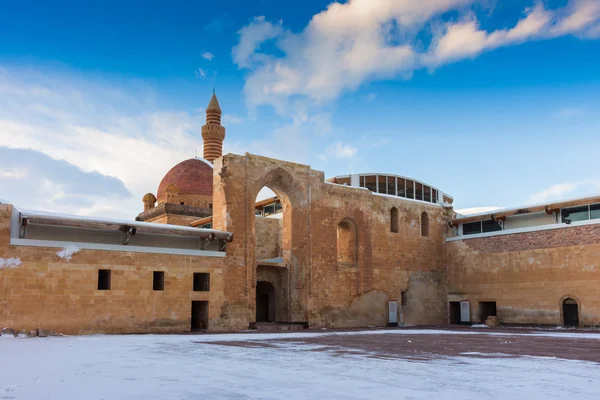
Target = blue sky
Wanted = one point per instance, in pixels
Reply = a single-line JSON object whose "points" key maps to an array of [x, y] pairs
{"points": [[494, 102]]}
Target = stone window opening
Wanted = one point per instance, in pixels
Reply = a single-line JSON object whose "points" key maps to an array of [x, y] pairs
{"points": [[201, 282], [104, 279], [158, 280], [424, 224], [347, 243], [486, 309], [394, 220]]}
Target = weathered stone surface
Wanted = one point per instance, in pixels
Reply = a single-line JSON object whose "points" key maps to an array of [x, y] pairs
{"points": [[492, 321], [529, 274], [41, 332], [23, 333], [334, 260], [32, 333]]}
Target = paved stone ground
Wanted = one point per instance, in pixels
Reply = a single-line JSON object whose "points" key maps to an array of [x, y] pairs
{"points": [[453, 341]]}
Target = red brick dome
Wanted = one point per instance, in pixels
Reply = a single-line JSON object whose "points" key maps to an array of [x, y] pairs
{"points": [[190, 177]]}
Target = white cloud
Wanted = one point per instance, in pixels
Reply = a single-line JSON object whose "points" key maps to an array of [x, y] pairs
{"points": [[358, 41], [200, 73], [109, 128], [370, 96], [251, 37], [563, 191], [338, 151], [229, 119], [13, 173], [466, 40], [477, 210], [208, 56]]}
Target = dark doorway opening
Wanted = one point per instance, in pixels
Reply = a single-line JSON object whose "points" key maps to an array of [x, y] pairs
{"points": [[265, 302], [486, 309], [455, 312], [570, 312], [199, 315]]}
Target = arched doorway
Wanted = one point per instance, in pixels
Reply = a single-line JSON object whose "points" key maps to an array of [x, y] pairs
{"points": [[265, 302], [570, 311]]}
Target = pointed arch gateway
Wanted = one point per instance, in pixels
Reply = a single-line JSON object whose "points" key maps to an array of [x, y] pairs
{"points": [[279, 279], [237, 181]]}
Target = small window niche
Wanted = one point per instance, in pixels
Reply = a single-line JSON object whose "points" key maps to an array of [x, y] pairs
{"points": [[394, 220], [104, 279], [158, 280], [424, 224], [201, 282]]}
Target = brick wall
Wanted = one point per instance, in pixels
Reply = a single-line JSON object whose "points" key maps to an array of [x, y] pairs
{"points": [[529, 274]]}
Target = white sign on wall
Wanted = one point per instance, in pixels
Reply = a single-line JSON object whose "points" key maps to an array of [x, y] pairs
{"points": [[465, 314], [392, 312]]}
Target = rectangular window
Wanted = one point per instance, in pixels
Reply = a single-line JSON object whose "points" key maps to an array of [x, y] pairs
{"points": [[427, 193], [471, 228], [410, 189], [391, 185], [362, 181], [382, 179], [574, 214], [434, 197], [490, 226], [371, 183], [595, 211], [418, 191], [278, 208], [104, 279], [201, 282], [269, 210], [403, 298], [158, 280], [401, 187]]}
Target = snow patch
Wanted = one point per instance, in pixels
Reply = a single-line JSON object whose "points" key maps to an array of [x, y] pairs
{"points": [[479, 326], [10, 262], [67, 252], [166, 366]]}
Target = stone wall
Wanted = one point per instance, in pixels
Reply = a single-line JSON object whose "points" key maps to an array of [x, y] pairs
{"points": [[324, 292], [529, 274], [268, 237], [53, 293]]}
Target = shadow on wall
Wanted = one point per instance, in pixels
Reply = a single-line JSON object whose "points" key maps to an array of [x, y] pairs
{"points": [[367, 309], [425, 299]]}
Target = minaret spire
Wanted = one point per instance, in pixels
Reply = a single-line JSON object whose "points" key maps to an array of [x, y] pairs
{"points": [[213, 133]]}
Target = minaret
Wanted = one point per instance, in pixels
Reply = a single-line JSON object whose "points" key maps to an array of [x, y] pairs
{"points": [[213, 133]]}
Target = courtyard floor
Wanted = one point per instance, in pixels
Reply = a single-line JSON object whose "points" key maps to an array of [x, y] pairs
{"points": [[405, 363]]}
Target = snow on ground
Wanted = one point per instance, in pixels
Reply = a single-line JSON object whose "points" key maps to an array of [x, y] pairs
{"points": [[190, 367]]}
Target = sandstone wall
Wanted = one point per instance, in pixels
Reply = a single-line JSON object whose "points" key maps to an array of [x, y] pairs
{"points": [[324, 292], [52, 293], [529, 274], [268, 237]]}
